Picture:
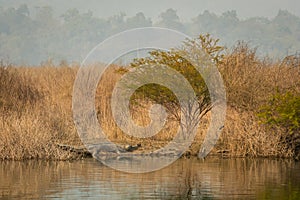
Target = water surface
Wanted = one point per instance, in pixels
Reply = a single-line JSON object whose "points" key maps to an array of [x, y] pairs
{"points": [[212, 178]]}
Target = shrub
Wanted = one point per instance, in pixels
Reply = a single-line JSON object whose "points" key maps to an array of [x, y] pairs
{"points": [[282, 110], [174, 59]]}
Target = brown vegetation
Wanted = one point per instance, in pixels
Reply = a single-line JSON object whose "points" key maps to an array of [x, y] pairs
{"points": [[250, 83], [36, 110]]}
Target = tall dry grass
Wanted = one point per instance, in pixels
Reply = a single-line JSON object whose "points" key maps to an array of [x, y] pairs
{"points": [[36, 109], [36, 112]]}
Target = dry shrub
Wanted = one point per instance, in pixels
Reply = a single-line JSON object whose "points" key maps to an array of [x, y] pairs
{"points": [[250, 83], [244, 136]]}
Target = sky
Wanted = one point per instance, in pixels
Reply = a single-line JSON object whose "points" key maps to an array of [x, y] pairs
{"points": [[186, 9]]}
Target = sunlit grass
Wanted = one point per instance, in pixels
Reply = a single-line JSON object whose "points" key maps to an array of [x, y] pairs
{"points": [[36, 110]]}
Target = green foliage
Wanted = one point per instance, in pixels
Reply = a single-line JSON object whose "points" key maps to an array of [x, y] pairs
{"points": [[282, 110], [209, 45], [174, 60]]}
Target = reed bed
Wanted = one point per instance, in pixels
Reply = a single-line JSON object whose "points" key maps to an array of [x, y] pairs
{"points": [[36, 110]]}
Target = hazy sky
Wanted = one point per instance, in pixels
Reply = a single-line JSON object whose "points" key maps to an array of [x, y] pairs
{"points": [[186, 9]]}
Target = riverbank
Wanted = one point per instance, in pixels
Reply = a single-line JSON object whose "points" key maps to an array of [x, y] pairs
{"points": [[36, 111]]}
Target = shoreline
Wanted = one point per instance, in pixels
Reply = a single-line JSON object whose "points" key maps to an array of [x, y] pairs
{"points": [[81, 153], [189, 156]]}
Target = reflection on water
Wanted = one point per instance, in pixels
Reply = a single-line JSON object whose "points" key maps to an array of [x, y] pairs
{"points": [[185, 179]]}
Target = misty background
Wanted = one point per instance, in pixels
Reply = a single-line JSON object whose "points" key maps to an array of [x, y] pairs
{"points": [[36, 31]]}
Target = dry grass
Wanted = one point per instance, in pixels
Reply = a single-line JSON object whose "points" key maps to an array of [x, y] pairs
{"points": [[36, 110], [250, 83]]}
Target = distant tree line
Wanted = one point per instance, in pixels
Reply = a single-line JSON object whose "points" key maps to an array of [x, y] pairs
{"points": [[31, 39]]}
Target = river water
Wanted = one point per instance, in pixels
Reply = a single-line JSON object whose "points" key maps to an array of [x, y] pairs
{"points": [[212, 178]]}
